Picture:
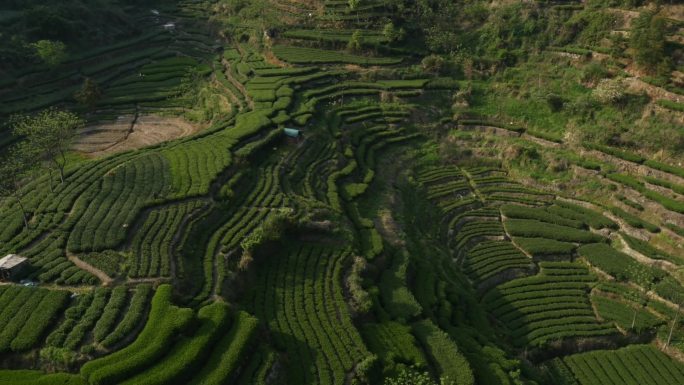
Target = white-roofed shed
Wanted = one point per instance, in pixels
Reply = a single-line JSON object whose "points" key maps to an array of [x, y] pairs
{"points": [[12, 266]]}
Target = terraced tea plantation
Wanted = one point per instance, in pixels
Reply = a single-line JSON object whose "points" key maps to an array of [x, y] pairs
{"points": [[320, 192]]}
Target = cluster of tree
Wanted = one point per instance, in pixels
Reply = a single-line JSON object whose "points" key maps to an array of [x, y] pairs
{"points": [[40, 30], [647, 41], [47, 138], [505, 34]]}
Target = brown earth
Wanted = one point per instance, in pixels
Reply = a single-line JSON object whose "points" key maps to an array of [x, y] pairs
{"points": [[101, 275], [129, 133]]}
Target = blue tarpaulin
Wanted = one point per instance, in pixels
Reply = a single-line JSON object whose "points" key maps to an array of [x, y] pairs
{"points": [[292, 132]]}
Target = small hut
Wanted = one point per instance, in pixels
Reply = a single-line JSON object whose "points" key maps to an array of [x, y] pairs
{"points": [[12, 266], [292, 132]]}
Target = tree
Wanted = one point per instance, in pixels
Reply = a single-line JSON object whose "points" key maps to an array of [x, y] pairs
{"points": [[354, 41], [49, 135], [647, 40], [678, 298], [642, 276], [555, 102], [89, 93], [390, 32], [432, 63], [354, 5], [50, 52], [14, 169], [414, 376], [271, 229], [609, 91]]}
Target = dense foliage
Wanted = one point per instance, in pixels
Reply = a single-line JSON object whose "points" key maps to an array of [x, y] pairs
{"points": [[341, 192]]}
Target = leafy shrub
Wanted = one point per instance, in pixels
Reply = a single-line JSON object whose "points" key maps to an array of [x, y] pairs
{"points": [[110, 314], [163, 325], [540, 214], [669, 104], [302, 55], [394, 343], [87, 321], [590, 217], [536, 229], [633, 363], [544, 247], [634, 221], [397, 299], [188, 354], [361, 301], [134, 315], [609, 91], [665, 167], [16, 314], [622, 313], [678, 188], [629, 202], [450, 361], [37, 377], [619, 265], [226, 356], [39, 320], [555, 102]]}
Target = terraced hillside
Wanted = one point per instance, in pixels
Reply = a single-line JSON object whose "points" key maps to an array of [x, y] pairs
{"points": [[317, 192]]}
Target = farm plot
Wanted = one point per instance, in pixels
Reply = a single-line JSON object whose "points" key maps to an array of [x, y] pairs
{"points": [[26, 314], [532, 228], [637, 364], [167, 350], [302, 55], [115, 202], [335, 36], [551, 305], [151, 245], [249, 210], [299, 296], [99, 319], [131, 132], [623, 314], [488, 259]]}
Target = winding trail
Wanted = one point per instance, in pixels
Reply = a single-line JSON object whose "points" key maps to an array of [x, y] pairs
{"points": [[641, 258], [101, 275]]}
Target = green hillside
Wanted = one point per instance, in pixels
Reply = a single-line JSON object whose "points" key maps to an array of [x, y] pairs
{"points": [[341, 192]]}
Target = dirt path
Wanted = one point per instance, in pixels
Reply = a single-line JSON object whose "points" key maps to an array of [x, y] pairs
{"points": [[147, 280], [237, 84], [233, 98], [665, 265], [636, 233], [106, 280], [631, 231], [54, 286], [655, 212], [389, 229], [472, 185], [510, 237]]}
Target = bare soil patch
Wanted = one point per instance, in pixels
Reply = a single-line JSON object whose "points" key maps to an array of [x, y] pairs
{"points": [[129, 132], [101, 275]]}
